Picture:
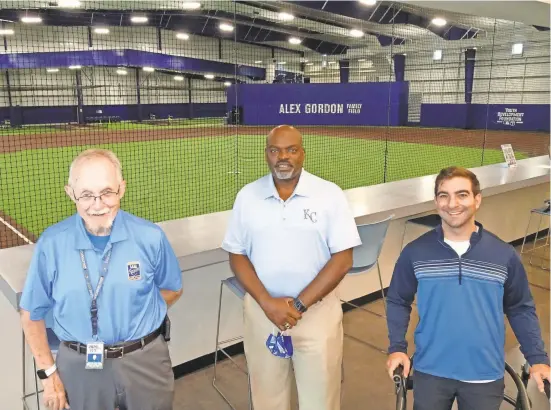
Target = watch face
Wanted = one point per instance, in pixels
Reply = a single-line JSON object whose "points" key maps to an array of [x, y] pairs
{"points": [[299, 306], [41, 374]]}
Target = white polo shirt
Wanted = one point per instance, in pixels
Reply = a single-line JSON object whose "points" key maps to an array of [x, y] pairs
{"points": [[289, 242]]}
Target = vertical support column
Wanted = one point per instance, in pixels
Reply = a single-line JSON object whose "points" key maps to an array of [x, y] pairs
{"points": [[90, 43], [15, 113], [80, 101], [159, 40], [220, 49], [8, 88], [344, 70], [189, 99], [138, 94], [270, 72], [399, 67], [470, 57]]}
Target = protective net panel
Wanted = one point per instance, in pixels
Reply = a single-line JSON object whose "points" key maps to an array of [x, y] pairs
{"points": [[185, 93]]}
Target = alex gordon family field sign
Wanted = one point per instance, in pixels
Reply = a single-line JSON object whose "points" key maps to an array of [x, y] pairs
{"points": [[319, 108]]}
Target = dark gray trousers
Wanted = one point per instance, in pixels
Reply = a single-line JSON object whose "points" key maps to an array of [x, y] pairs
{"points": [[141, 380], [437, 393]]}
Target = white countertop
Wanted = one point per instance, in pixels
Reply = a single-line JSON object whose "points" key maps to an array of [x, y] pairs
{"points": [[196, 240]]}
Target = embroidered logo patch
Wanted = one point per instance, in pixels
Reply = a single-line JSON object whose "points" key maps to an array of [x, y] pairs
{"points": [[312, 216], [133, 269]]}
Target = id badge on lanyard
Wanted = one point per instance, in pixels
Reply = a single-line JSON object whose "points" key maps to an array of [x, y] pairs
{"points": [[95, 349]]}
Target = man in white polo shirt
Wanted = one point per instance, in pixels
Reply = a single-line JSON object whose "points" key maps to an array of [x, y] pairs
{"points": [[290, 241]]}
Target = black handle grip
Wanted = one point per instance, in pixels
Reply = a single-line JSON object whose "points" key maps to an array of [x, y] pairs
{"points": [[546, 388], [398, 374]]}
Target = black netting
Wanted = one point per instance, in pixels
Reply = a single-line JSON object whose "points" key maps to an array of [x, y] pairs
{"points": [[185, 92]]}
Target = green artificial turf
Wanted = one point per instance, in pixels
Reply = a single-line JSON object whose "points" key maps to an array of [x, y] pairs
{"points": [[176, 178]]}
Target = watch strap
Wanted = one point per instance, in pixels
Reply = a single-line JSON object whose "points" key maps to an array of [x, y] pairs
{"points": [[44, 374], [299, 305]]}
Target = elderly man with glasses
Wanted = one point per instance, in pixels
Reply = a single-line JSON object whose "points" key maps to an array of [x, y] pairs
{"points": [[108, 277]]}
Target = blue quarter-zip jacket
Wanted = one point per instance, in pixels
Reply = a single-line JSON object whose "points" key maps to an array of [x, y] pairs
{"points": [[461, 303]]}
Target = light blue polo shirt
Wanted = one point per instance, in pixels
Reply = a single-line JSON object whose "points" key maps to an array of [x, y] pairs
{"points": [[289, 242], [130, 304]]}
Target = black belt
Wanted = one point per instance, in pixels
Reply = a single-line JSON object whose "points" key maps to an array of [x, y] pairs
{"points": [[117, 351]]}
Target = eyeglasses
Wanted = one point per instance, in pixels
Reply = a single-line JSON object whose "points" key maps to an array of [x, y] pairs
{"points": [[107, 197]]}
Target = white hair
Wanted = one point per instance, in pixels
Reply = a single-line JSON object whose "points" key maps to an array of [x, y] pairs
{"points": [[92, 154]]}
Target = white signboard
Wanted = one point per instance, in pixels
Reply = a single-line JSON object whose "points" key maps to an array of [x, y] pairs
{"points": [[509, 155], [511, 117]]}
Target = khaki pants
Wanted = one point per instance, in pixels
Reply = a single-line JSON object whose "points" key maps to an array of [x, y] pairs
{"points": [[317, 358]]}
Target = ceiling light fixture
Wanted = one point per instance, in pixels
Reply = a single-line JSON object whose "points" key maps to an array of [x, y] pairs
{"points": [[68, 4], [191, 5], [285, 16], [439, 22], [517, 49], [138, 19], [225, 27], [31, 19]]}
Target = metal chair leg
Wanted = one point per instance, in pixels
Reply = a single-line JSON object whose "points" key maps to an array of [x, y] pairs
{"points": [[221, 350], [217, 331], [250, 392], [362, 308], [526, 234], [36, 386], [404, 235], [382, 288], [383, 351], [535, 241]]}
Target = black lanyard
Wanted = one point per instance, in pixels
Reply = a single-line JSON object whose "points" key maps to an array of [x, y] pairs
{"points": [[94, 295]]}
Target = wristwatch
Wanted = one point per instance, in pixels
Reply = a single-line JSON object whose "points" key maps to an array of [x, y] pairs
{"points": [[44, 374], [298, 305]]}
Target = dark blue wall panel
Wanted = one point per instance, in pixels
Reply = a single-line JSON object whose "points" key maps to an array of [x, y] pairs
{"points": [[202, 110], [4, 113], [133, 58], [521, 117], [125, 112], [49, 115], [515, 117], [444, 115], [66, 114]]}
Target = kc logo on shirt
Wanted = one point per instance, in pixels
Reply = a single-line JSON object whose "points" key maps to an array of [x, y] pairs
{"points": [[133, 269], [312, 216]]}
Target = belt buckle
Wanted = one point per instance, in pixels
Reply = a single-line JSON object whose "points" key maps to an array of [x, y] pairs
{"points": [[114, 349]]}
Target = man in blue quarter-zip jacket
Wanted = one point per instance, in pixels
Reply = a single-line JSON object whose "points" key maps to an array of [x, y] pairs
{"points": [[466, 279]]}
